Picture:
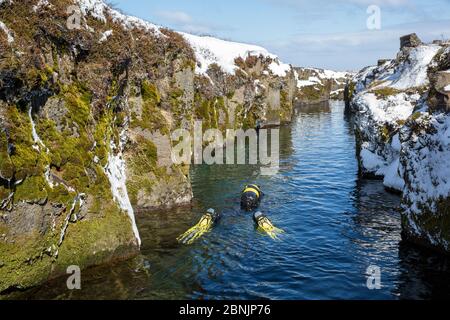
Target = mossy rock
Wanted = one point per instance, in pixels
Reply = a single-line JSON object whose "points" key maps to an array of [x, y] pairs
{"points": [[32, 189], [385, 92]]}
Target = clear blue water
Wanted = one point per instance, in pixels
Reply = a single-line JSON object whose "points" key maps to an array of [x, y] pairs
{"points": [[336, 227]]}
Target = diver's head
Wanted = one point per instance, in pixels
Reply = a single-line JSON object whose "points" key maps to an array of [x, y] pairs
{"points": [[213, 214], [258, 215], [250, 198]]}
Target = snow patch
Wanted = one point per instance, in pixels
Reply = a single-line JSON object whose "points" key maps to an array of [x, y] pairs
{"points": [[429, 164], [392, 178], [371, 161], [9, 35], [99, 10], [41, 4], [115, 171], [411, 73], [278, 68], [209, 50], [391, 109], [105, 36]]}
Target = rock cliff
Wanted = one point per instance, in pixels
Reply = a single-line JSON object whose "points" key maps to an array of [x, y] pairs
{"points": [[87, 96], [401, 110]]}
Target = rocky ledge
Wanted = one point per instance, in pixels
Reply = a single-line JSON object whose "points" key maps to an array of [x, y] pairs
{"points": [[402, 121], [320, 85]]}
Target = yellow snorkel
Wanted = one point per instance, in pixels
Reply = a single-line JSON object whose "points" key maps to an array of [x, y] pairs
{"points": [[206, 223], [265, 225]]}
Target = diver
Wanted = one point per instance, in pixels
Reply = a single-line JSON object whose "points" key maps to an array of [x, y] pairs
{"points": [[250, 200], [206, 223], [251, 197], [264, 224]]}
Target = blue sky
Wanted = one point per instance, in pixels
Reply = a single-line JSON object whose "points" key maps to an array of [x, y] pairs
{"points": [[329, 34]]}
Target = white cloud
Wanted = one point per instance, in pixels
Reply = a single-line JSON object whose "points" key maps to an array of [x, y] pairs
{"points": [[353, 50], [182, 21], [178, 17]]}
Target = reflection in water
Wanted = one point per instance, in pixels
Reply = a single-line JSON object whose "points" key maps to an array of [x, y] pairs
{"points": [[336, 227], [423, 274]]}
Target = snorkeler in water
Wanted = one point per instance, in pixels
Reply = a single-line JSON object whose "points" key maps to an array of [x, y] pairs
{"points": [[206, 223], [251, 197], [264, 224]]}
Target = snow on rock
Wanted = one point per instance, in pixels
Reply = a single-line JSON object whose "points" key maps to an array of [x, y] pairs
{"points": [[384, 97], [115, 171], [278, 68], [9, 35], [426, 160], [96, 8], [41, 4], [209, 50], [99, 10], [371, 160], [392, 178], [317, 85], [412, 73], [375, 118], [390, 109], [105, 36], [313, 76]]}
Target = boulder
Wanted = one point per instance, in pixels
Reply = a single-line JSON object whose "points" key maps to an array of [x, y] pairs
{"points": [[410, 41]]}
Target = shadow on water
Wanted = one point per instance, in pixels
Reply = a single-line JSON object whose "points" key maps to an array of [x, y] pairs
{"points": [[336, 227]]}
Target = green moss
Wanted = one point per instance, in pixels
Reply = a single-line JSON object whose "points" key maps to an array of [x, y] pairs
{"points": [[78, 100], [351, 90], [144, 160], [6, 165], [4, 193], [102, 136], [39, 77], [385, 133], [26, 160], [25, 262], [286, 106], [312, 93], [151, 117], [150, 92], [104, 238], [415, 116], [32, 189], [245, 120], [188, 64], [220, 106], [385, 92], [401, 123], [60, 195]]}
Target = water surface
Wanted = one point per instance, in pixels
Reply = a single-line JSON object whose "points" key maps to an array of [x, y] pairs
{"points": [[336, 227]]}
